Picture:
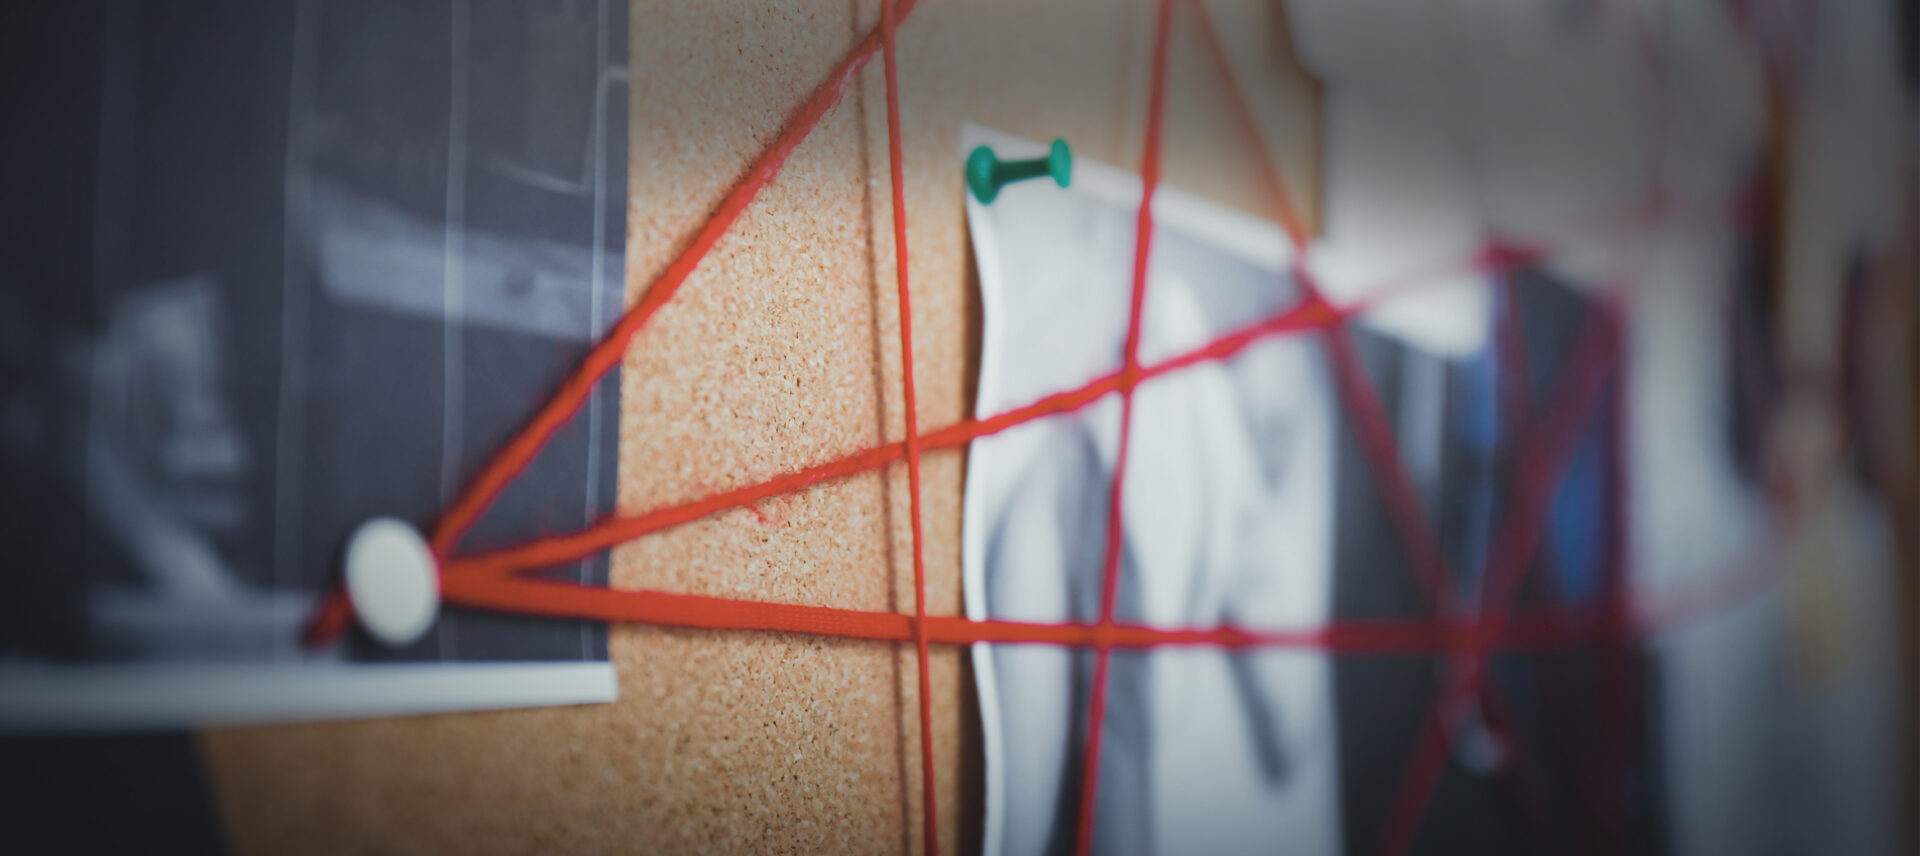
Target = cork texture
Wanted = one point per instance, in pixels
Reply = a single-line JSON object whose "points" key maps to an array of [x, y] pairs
{"points": [[781, 351]]}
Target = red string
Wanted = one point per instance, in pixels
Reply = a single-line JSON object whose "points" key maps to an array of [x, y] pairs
{"points": [[1376, 438], [612, 531], [557, 598], [1129, 378], [334, 615], [1540, 462], [1356, 390], [497, 580], [1424, 765], [897, 161], [514, 457], [1306, 317], [1536, 629], [1271, 183], [1514, 397], [1593, 360]]}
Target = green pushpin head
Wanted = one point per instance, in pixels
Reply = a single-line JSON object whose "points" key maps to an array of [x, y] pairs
{"points": [[986, 172]]}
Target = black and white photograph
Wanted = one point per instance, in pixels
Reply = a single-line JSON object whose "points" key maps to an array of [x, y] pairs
{"points": [[310, 283]]}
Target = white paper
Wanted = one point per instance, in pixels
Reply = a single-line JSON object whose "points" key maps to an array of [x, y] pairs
{"points": [[1227, 521]]}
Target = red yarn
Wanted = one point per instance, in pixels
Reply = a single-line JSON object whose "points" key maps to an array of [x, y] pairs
{"points": [[1539, 629], [897, 162], [1425, 762], [1271, 183], [1541, 459], [560, 549], [514, 457], [1382, 452], [500, 580], [1129, 378]]}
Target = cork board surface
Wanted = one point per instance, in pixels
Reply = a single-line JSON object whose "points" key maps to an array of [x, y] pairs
{"points": [[782, 350]]}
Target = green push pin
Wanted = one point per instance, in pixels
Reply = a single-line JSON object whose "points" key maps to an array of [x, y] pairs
{"points": [[986, 172]]}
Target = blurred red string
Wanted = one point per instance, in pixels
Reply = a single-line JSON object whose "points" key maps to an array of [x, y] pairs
{"points": [[1129, 378]]}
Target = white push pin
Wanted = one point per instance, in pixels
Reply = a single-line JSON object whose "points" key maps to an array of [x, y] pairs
{"points": [[392, 580], [1478, 748]]}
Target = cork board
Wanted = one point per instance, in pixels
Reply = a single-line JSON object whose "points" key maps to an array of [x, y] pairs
{"points": [[781, 351]]}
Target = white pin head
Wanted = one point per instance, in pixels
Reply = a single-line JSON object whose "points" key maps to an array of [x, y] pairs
{"points": [[392, 580]]}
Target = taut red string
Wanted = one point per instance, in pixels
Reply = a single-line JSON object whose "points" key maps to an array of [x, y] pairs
{"points": [[501, 580], [334, 614], [1275, 187], [1129, 378], [1309, 316], [1541, 459], [514, 457], [897, 162]]}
